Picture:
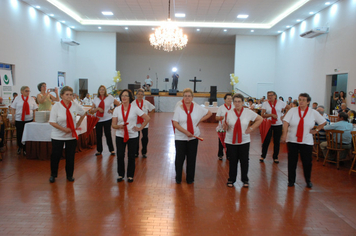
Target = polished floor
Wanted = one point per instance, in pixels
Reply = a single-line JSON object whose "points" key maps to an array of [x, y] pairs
{"points": [[95, 204]]}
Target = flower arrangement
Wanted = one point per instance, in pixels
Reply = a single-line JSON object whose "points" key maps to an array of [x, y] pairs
{"points": [[114, 88], [233, 81]]}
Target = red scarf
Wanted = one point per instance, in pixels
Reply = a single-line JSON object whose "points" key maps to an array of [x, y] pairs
{"points": [[273, 110], [102, 106], [189, 118], [25, 108], [126, 132], [70, 123], [237, 128], [300, 130], [139, 119], [228, 108]]}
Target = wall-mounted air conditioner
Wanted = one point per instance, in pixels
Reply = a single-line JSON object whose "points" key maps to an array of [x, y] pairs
{"points": [[70, 42], [315, 32]]}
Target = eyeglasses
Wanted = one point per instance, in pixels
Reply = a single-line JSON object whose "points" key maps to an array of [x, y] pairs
{"points": [[125, 96], [27, 91]]}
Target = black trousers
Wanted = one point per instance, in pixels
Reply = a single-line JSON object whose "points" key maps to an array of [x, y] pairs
{"points": [[20, 126], [305, 155], [57, 150], [238, 153], [131, 148], [175, 83], [144, 141], [186, 149], [277, 133], [221, 149], [99, 135]]}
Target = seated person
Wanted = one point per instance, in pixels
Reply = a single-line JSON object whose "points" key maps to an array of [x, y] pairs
{"points": [[344, 108], [14, 95], [343, 125], [250, 104], [87, 100], [148, 84], [315, 105], [322, 134], [352, 116]]}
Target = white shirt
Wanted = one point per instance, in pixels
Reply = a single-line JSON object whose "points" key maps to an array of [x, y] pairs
{"points": [[59, 115], [147, 107], [222, 110], [312, 117], [279, 106], [245, 118], [18, 104], [131, 119], [148, 81], [181, 117], [109, 100], [87, 101]]}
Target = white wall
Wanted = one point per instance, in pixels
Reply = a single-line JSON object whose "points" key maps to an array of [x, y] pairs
{"points": [[95, 59], [255, 63], [303, 64], [31, 41], [210, 63]]}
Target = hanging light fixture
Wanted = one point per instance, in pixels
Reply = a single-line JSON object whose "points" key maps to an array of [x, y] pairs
{"points": [[168, 37]]}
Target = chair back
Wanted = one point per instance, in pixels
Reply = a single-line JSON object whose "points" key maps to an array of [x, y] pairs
{"points": [[353, 133], [316, 137], [333, 118], [334, 139]]}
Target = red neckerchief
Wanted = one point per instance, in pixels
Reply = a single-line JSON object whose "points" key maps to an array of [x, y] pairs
{"points": [[273, 111], [228, 108], [70, 123], [139, 119], [25, 108], [237, 128], [102, 106], [126, 132], [189, 118], [300, 130]]}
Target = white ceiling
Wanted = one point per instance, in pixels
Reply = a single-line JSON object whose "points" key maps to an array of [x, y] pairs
{"points": [[207, 11]]}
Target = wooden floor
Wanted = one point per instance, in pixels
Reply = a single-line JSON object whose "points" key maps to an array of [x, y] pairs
{"points": [[155, 205]]}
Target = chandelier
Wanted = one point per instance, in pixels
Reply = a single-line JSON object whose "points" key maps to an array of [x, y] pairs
{"points": [[168, 37]]}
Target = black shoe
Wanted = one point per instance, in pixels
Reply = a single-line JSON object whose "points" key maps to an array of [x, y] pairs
{"points": [[190, 182], [276, 161], [98, 154], [112, 153], [309, 185], [220, 158], [144, 155], [290, 184], [230, 184], [120, 179], [52, 179], [136, 155], [130, 179], [245, 184], [262, 159], [178, 182], [24, 153], [19, 151], [70, 179]]}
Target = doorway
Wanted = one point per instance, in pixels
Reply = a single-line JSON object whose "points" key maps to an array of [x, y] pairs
{"points": [[338, 83]]}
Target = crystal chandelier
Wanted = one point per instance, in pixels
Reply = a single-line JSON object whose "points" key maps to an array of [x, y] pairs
{"points": [[168, 37]]}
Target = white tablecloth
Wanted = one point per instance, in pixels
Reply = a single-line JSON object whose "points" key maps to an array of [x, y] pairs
{"points": [[41, 132], [211, 108]]}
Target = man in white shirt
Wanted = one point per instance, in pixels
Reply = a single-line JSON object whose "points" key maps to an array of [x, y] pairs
{"points": [[148, 84]]}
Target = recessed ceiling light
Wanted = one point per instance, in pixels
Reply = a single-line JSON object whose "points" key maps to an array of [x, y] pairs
{"points": [[38, 7], [299, 20], [72, 27], [126, 28], [107, 13], [252, 31], [279, 31], [153, 28], [51, 15], [99, 27], [63, 21], [198, 29], [311, 13], [288, 26], [242, 16], [180, 15], [225, 30], [327, 3]]}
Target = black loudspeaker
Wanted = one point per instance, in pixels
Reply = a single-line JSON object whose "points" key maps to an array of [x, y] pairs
{"points": [[213, 92], [172, 92], [154, 91], [133, 87]]}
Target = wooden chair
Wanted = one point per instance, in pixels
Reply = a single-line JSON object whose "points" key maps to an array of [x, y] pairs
{"points": [[353, 133], [316, 147], [1, 122], [333, 118], [334, 140], [9, 128]]}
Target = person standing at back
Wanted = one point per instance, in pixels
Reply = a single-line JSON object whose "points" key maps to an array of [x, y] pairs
{"points": [[175, 77]]}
